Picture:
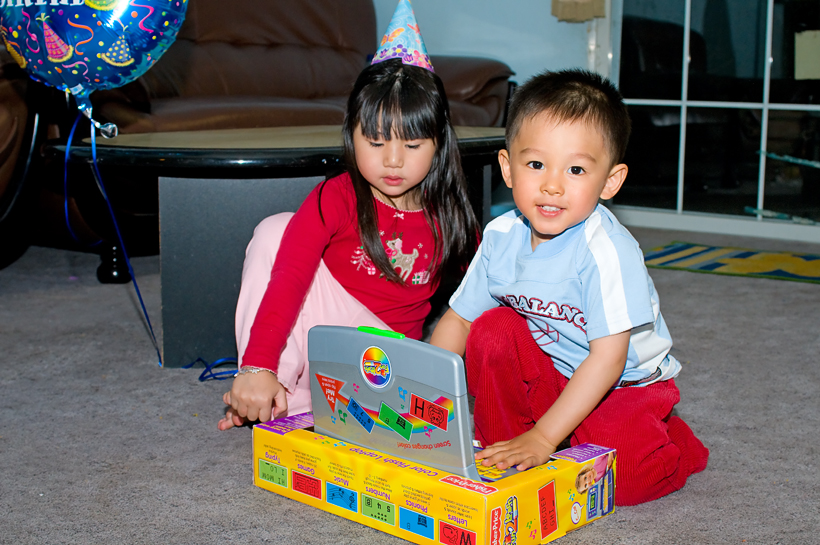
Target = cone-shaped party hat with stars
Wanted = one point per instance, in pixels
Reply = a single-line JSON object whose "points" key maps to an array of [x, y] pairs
{"points": [[403, 39]]}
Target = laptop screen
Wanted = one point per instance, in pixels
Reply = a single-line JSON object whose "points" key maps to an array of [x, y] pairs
{"points": [[403, 397]]}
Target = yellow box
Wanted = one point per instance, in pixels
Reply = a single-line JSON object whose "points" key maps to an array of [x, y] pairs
{"points": [[426, 505]]}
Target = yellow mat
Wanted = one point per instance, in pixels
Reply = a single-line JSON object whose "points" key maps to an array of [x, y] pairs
{"points": [[735, 261]]}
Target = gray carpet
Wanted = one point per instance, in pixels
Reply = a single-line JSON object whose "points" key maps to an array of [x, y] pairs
{"points": [[99, 445]]}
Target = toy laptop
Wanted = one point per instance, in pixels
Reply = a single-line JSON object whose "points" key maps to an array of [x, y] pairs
{"points": [[380, 390]]}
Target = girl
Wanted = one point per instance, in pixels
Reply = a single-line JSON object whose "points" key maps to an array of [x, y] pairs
{"points": [[367, 248]]}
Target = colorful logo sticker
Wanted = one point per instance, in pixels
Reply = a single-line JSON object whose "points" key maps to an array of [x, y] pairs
{"points": [[376, 367], [511, 521]]}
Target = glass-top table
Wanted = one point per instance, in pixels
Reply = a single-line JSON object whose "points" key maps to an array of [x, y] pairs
{"points": [[210, 189], [272, 147]]}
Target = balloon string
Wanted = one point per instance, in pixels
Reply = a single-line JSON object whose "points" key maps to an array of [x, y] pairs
{"points": [[65, 182], [96, 171]]}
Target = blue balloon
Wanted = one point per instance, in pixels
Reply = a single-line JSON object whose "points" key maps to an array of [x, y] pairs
{"points": [[84, 45]]}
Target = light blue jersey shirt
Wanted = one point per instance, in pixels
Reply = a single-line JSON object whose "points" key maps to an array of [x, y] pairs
{"points": [[588, 282]]}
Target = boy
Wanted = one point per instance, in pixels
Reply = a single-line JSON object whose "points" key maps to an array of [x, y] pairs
{"points": [[558, 315]]}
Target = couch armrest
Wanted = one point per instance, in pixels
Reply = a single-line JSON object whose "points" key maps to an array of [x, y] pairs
{"points": [[475, 80], [467, 77], [13, 116]]}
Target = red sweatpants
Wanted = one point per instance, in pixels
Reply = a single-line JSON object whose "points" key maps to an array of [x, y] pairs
{"points": [[515, 382]]}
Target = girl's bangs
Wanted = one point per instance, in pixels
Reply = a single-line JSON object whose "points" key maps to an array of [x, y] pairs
{"points": [[407, 115]]}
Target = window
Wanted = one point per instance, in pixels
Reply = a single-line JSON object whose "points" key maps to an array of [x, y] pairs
{"points": [[744, 76]]}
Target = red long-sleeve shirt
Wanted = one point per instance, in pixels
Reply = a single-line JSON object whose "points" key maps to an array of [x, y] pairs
{"points": [[406, 237]]}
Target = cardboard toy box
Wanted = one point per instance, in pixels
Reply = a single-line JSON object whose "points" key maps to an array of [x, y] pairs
{"points": [[426, 505]]}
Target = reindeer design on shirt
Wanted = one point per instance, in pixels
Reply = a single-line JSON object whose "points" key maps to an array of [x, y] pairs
{"points": [[401, 261]]}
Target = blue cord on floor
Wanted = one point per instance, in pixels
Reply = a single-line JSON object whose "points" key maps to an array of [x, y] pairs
{"points": [[208, 373]]}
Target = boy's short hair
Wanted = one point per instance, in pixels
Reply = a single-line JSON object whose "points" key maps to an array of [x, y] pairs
{"points": [[573, 95]]}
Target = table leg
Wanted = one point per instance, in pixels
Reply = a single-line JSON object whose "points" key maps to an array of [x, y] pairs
{"points": [[113, 269]]}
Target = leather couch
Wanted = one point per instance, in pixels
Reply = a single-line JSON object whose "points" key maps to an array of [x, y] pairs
{"points": [[264, 63], [254, 63], [13, 117], [15, 137], [32, 208]]}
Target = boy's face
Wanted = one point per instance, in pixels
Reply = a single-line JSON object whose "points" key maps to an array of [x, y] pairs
{"points": [[557, 172]]}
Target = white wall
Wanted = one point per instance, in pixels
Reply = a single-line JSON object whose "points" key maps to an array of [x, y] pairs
{"points": [[521, 33]]}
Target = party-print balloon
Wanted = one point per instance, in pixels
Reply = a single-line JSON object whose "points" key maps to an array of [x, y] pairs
{"points": [[80, 46]]}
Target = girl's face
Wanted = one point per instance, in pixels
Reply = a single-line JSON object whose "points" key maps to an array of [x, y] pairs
{"points": [[393, 167]]}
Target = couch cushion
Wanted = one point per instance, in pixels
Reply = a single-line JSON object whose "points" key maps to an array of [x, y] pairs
{"points": [[334, 24], [279, 63], [317, 47], [190, 114], [222, 69]]}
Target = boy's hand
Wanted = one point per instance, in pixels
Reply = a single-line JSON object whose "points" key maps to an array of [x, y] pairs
{"points": [[528, 450], [258, 396]]}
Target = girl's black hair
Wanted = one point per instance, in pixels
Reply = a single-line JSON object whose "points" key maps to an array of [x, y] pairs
{"points": [[390, 98]]}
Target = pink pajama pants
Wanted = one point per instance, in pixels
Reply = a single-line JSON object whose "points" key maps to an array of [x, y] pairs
{"points": [[326, 303], [515, 383]]}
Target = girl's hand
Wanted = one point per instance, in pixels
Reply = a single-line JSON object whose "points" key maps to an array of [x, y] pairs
{"points": [[257, 396], [528, 450]]}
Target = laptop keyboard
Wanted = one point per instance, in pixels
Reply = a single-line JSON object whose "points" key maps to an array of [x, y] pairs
{"points": [[492, 473]]}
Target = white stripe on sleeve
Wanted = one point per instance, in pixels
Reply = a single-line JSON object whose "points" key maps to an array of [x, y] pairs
{"points": [[613, 296]]}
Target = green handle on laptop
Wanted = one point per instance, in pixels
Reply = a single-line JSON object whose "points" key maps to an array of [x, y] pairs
{"points": [[381, 332]]}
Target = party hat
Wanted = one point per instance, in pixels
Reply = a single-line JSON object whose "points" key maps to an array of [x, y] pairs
{"points": [[403, 39]]}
